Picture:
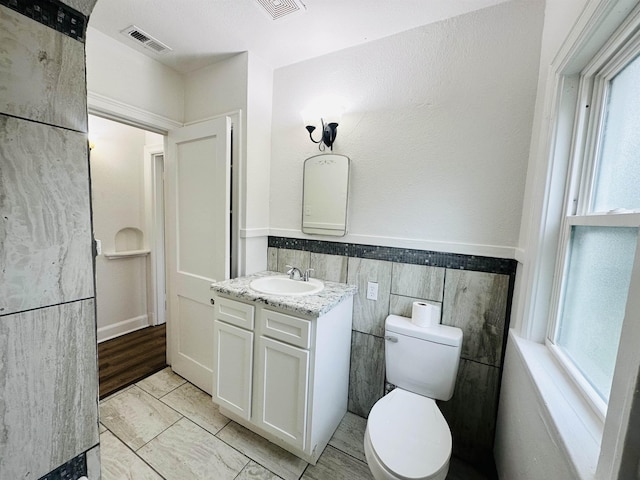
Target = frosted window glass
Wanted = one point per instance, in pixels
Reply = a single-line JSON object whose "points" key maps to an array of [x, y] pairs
{"points": [[618, 170], [593, 306]]}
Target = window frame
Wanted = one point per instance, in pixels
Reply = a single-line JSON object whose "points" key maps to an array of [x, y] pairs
{"points": [[585, 144]]}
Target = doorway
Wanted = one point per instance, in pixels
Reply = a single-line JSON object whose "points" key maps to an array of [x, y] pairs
{"points": [[127, 190]]}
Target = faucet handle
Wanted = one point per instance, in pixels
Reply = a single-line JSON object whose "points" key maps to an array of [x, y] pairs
{"points": [[307, 274]]}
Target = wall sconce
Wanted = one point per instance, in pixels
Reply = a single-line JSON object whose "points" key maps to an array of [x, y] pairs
{"points": [[329, 112]]}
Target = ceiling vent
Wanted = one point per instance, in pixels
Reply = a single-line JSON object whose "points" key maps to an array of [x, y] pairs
{"points": [[281, 8], [145, 39]]}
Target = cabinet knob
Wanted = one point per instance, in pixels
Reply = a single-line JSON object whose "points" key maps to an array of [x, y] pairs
{"points": [[213, 302]]}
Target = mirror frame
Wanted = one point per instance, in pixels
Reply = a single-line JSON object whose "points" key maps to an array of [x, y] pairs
{"points": [[320, 231]]}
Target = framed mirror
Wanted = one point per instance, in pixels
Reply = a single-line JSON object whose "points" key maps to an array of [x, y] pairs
{"points": [[324, 195]]}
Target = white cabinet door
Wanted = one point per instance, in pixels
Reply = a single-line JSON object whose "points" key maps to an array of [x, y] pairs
{"points": [[198, 209], [232, 368], [282, 390]]}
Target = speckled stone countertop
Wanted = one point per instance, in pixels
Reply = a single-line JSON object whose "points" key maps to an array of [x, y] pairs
{"points": [[313, 305]]}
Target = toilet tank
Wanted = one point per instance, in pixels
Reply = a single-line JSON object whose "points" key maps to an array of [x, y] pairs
{"points": [[422, 360]]}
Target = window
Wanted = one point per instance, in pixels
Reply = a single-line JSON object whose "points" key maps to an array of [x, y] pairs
{"points": [[599, 232]]}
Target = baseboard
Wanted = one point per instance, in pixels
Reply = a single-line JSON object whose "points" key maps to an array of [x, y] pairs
{"points": [[125, 326]]}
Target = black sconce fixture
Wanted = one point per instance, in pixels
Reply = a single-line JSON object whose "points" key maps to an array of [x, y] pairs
{"points": [[329, 132], [329, 110]]}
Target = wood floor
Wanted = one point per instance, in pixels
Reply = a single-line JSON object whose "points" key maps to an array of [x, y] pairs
{"points": [[124, 360]]}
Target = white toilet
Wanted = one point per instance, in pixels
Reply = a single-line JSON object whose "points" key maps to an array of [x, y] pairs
{"points": [[407, 438]]}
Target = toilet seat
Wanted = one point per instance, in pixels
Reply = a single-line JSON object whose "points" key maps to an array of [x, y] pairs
{"points": [[409, 436]]}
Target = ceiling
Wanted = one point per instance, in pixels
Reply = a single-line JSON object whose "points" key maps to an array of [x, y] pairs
{"points": [[201, 32]]}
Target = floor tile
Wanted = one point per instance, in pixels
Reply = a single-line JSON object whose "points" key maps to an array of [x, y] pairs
{"points": [[135, 417], [120, 463], [161, 383], [349, 436], [253, 471], [196, 405], [267, 454], [101, 428], [335, 465], [186, 451]]}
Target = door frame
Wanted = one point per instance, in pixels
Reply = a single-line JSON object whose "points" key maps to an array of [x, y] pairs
{"points": [[105, 107]]}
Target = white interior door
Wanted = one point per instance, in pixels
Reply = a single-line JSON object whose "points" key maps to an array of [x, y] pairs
{"points": [[198, 204]]}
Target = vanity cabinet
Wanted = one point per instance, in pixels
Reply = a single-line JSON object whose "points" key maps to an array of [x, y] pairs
{"points": [[283, 375]]}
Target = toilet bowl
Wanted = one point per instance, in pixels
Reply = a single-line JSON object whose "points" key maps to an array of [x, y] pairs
{"points": [[407, 438]]}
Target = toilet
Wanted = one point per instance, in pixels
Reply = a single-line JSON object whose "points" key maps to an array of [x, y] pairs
{"points": [[407, 438]]}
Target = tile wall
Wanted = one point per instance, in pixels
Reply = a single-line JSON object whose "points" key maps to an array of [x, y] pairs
{"points": [[48, 369], [474, 294]]}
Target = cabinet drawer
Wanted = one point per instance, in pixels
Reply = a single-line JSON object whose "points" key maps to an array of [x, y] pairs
{"points": [[280, 326], [236, 313]]}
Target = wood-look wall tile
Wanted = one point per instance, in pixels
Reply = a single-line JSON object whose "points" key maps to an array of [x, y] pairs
{"points": [[366, 376], [295, 258], [476, 302], [420, 281], [48, 404], [45, 226], [272, 259], [471, 412], [403, 306], [369, 315], [41, 73], [329, 267]]}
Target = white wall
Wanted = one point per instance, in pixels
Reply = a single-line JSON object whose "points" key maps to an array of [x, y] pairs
{"points": [[437, 126], [241, 85], [522, 413], [118, 199], [120, 73]]}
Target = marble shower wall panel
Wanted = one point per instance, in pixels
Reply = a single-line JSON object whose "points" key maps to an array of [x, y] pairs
{"points": [[329, 267], [366, 377], [418, 281], [83, 6], [45, 226], [48, 411], [477, 303], [471, 412], [369, 315], [42, 73]]}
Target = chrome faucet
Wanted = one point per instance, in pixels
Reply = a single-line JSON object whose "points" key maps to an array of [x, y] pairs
{"points": [[294, 273]]}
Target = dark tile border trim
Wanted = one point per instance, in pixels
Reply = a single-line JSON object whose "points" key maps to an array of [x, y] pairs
{"points": [[72, 470], [53, 14], [401, 255]]}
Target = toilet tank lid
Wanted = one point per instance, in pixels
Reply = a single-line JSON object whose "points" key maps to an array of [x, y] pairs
{"points": [[442, 334]]}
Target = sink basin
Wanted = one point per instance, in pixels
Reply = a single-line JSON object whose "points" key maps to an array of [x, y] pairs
{"points": [[283, 285]]}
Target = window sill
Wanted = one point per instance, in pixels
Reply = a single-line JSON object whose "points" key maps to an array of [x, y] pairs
{"points": [[571, 420]]}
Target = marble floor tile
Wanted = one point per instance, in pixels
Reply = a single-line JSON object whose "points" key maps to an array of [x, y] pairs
{"points": [[253, 471], [197, 406], [335, 465], [262, 451], [186, 451], [119, 463], [459, 470], [136, 417], [101, 428], [349, 436], [161, 383]]}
